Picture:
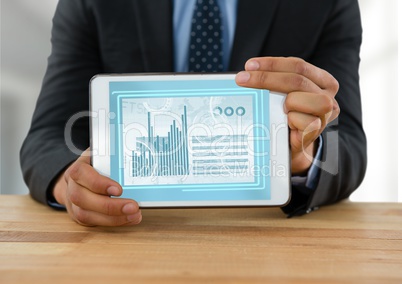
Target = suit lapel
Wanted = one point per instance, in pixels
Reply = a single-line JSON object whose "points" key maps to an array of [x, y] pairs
{"points": [[254, 19], [154, 22]]}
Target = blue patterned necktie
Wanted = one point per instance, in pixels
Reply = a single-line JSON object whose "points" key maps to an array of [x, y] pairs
{"points": [[206, 38]]}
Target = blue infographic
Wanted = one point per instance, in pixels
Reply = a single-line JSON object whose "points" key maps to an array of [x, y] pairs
{"points": [[189, 140]]}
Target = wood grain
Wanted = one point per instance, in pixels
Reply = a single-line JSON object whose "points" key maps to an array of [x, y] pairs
{"points": [[343, 243]]}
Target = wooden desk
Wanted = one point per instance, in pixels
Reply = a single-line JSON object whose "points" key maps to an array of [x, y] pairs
{"points": [[344, 243]]}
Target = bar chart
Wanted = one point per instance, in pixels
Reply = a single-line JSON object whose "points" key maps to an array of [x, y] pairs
{"points": [[167, 155]]}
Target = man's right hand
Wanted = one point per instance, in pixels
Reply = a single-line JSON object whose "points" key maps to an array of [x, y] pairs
{"points": [[86, 194]]}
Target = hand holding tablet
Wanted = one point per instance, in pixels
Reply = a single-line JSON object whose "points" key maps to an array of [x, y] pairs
{"points": [[190, 140]]}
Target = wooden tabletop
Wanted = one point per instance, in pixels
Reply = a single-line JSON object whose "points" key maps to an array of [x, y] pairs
{"points": [[343, 243]]}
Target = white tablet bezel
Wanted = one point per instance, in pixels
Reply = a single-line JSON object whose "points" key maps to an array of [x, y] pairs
{"points": [[100, 142]]}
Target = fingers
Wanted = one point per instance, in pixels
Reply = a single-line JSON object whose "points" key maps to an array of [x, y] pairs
{"points": [[303, 158], [89, 208], [276, 82], [308, 115], [296, 70], [306, 129], [89, 201], [91, 218], [84, 174], [323, 107], [310, 102]]}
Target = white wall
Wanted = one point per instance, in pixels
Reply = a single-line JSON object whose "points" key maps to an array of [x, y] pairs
{"points": [[379, 86], [399, 98], [25, 45], [25, 34]]}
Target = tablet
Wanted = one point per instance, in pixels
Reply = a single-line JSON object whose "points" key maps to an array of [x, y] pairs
{"points": [[186, 140]]}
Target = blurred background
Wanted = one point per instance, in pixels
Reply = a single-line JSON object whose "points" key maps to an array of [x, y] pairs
{"points": [[25, 46]]}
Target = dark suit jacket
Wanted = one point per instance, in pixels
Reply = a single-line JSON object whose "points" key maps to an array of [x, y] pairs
{"points": [[103, 36]]}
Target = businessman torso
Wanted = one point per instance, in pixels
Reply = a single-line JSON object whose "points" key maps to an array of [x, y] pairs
{"points": [[102, 36]]}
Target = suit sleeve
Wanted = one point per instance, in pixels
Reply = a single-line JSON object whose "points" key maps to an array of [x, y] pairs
{"points": [[344, 157], [74, 59]]}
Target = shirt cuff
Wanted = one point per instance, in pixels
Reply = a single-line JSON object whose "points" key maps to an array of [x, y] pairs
{"points": [[51, 201]]}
